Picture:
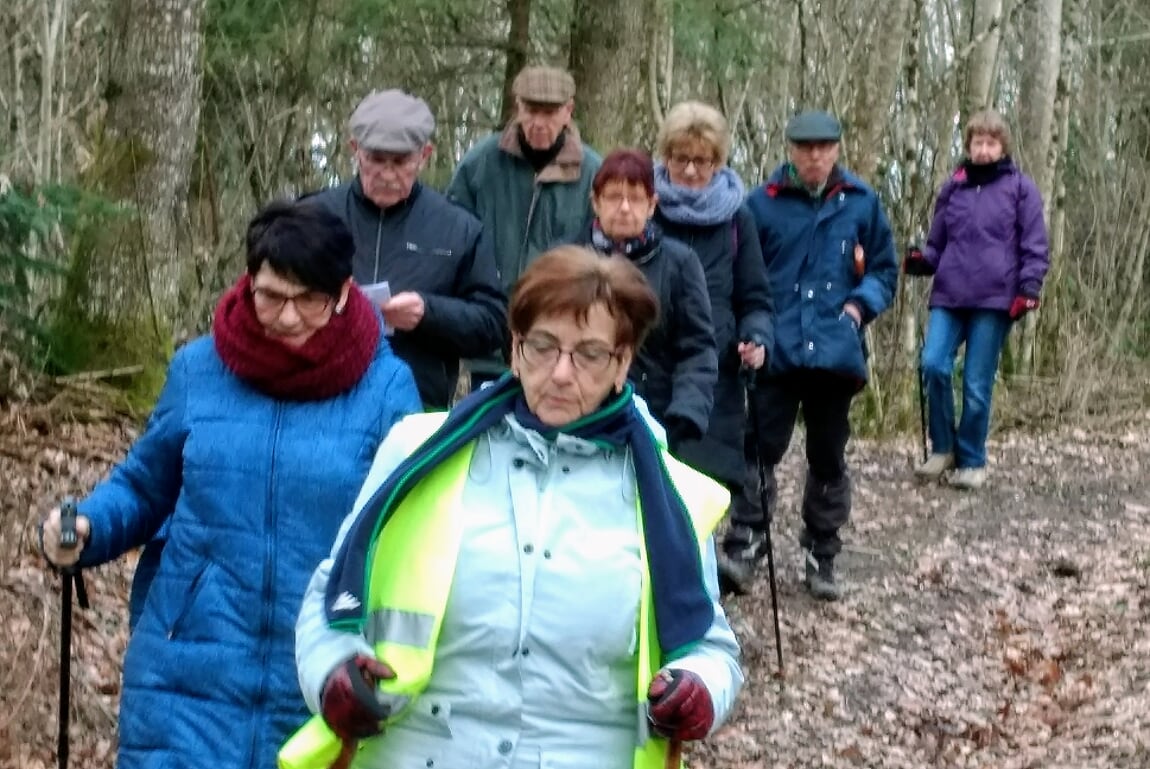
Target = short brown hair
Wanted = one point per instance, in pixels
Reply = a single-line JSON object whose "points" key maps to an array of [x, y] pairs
{"points": [[630, 166], [570, 280], [695, 120], [988, 122]]}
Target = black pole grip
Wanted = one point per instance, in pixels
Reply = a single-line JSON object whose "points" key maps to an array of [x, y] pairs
{"points": [[68, 537]]}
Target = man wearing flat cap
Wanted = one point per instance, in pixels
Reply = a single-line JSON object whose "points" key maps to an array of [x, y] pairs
{"points": [[832, 270], [530, 184], [446, 301]]}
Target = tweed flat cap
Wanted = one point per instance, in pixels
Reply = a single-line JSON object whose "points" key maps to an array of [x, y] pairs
{"points": [[544, 85]]}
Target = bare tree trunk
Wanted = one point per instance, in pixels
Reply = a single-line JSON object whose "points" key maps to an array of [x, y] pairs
{"points": [[1039, 85], [984, 59], [154, 83], [608, 52], [518, 41], [1039, 88], [874, 91]]}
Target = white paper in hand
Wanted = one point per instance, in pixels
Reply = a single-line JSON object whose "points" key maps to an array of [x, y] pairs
{"points": [[379, 293]]}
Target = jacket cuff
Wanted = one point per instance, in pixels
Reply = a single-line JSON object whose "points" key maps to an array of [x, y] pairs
{"points": [[1030, 288]]}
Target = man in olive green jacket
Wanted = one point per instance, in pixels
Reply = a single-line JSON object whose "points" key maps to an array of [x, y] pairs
{"points": [[530, 184]]}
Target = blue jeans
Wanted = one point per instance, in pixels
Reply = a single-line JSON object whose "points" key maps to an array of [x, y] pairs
{"points": [[984, 332]]}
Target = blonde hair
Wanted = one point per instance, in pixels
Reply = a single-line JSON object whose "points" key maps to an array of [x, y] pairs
{"points": [[695, 120], [990, 123]]}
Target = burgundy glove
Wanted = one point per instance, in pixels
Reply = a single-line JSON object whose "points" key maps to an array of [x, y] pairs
{"points": [[348, 702], [1022, 305], [680, 705], [914, 263]]}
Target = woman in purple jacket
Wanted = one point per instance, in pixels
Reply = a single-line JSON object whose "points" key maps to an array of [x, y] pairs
{"points": [[987, 250]]}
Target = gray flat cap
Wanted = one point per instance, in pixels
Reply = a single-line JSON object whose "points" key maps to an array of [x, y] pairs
{"points": [[813, 126], [391, 121]]}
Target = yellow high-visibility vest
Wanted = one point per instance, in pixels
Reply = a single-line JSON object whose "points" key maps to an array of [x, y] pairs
{"points": [[413, 565]]}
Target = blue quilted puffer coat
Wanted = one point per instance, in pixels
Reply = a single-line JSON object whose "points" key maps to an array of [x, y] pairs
{"points": [[253, 490]]}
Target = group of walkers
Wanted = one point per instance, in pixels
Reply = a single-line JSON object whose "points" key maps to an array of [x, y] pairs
{"points": [[527, 577]]}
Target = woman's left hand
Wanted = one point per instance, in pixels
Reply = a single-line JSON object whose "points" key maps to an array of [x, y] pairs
{"points": [[752, 355]]}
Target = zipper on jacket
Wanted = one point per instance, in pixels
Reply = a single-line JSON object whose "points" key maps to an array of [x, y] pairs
{"points": [[267, 594], [527, 230], [378, 240]]}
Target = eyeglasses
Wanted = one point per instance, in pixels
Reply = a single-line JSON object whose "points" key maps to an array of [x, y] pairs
{"points": [[680, 162], [614, 199], [309, 304], [588, 357]]}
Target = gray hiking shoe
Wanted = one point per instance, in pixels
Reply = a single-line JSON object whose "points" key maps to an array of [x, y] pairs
{"points": [[933, 468], [820, 577], [743, 549], [968, 478]]}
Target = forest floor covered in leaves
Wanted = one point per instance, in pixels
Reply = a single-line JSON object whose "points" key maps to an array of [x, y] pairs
{"points": [[1003, 628]]}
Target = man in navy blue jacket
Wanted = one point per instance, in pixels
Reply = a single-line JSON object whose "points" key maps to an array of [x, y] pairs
{"points": [[832, 269], [446, 300]]}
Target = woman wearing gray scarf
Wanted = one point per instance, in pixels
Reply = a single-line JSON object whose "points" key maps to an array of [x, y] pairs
{"points": [[701, 204]]}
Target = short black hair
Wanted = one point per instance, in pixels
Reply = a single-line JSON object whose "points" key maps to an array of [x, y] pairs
{"points": [[303, 242]]}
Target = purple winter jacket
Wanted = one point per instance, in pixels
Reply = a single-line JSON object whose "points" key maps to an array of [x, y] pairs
{"points": [[987, 243]]}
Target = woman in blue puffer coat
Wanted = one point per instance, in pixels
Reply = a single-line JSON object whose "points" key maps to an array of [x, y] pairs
{"points": [[253, 455]]}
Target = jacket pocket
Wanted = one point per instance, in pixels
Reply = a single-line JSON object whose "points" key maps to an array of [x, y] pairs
{"points": [[846, 354], [181, 619]]}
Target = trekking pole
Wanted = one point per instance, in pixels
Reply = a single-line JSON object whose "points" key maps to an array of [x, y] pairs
{"points": [[70, 574], [674, 755], [922, 408], [748, 385]]}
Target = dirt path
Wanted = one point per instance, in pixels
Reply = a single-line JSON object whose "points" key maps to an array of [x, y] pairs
{"points": [[1005, 628], [1002, 628]]}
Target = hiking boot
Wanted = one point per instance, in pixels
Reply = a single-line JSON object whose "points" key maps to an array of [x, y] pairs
{"points": [[743, 548], [735, 577], [820, 577], [968, 478], [933, 468]]}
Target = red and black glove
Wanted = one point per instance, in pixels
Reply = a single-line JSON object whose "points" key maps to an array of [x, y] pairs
{"points": [[348, 701], [680, 705], [1022, 305], [914, 263]]}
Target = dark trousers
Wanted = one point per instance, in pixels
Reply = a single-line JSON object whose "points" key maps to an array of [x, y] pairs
{"points": [[825, 400]]}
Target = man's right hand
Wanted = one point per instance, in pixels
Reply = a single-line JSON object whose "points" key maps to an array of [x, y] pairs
{"points": [[348, 702], [63, 557], [914, 263]]}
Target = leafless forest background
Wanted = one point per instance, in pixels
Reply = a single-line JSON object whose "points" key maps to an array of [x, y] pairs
{"points": [[1006, 630]]}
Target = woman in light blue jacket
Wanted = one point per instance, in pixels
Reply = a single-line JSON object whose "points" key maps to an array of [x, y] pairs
{"points": [[530, 583]]}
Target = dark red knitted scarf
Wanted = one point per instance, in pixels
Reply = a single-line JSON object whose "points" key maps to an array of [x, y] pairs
{"points": [[332, 361]]}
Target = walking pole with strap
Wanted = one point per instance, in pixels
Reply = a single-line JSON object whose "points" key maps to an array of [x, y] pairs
{"points": [[70, 574], [748, 375]]}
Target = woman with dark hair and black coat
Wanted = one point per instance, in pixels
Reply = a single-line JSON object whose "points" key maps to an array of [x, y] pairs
{"points": [[677, 365]]}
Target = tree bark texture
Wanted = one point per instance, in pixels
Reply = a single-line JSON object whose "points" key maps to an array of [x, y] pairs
{"points": [[609, 49], [984, 59], [153, 94]]}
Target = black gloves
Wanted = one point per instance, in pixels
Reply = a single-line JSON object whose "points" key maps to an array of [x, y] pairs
{"points": [[680, 705], [915, 264], [348, 701]]}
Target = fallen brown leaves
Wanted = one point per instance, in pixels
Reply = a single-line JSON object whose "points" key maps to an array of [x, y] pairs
{"points": [[1004, 629]]}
